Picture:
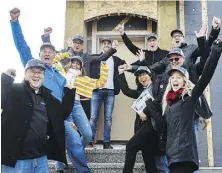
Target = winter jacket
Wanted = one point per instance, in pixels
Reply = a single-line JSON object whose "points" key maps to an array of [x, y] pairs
{"points": [[179, 117], [191, 53], [17, 105], [157, 91], [151, 57]]}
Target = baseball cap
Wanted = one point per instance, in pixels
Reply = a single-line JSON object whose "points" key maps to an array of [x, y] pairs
{"points": [[142, 69], [106, 39], [177, 51], [77, 58], [176, 31], [78, 37], [49, 45], [181, 70], [35, 63], [151, 35]]}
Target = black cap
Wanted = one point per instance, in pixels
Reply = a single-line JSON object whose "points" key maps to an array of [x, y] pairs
{"points": [[181, 70], [143, 69], [49, 45], [35, 63], [151, 35], [176, 31], [77, 58], [177, 51], [78, 37], [106, 39]]}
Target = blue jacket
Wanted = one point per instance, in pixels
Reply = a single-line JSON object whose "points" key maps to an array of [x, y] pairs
{"points": [[54, 81]]}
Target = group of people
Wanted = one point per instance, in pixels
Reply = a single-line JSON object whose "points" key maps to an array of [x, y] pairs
{"points": [[57, 106]]}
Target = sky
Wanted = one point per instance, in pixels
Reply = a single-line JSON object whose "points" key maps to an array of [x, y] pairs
{"points": [[35, 16]]}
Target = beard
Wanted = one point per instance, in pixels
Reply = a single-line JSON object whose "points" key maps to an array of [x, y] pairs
{"points": [[154, 48]]}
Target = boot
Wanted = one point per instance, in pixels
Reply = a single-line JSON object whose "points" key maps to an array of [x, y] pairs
{"points": [[106, 145]]}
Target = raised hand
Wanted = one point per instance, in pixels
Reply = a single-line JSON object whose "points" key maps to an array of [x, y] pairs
{"points": [[120, 29], [115, 44], [203, 31], [11, 73], [14, 13], [140, 55], [216, 22], [47, 31]]}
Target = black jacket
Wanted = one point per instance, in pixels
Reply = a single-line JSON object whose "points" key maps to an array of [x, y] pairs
{"points": [[157, 91], [17, 103], [151, 57], [179, 117], [95, 71], [191, 53]]}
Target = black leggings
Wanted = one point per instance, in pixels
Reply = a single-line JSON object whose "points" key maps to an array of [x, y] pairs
{"points": [[86, 105], [144, 140], [182, 167]]}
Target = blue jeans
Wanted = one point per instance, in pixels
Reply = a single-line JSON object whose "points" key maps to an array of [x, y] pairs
{"points": [[38, 165], [108, 97], [162, 164], [75, 150], [80, 119]]}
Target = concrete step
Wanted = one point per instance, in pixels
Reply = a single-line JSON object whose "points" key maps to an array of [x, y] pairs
{"points": [[118, 167], [109, 156]]}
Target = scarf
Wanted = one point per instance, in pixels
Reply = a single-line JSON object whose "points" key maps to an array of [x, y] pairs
{"points": [[173, 96]]}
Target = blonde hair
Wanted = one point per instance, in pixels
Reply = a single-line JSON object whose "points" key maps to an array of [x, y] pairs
{"points": [[188, 87]]}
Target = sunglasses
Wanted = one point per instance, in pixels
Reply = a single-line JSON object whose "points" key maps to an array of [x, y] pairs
{"points": [[174, 59]]}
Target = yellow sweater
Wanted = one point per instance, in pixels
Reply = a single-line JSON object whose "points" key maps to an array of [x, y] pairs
{"points": [[84, 85]]}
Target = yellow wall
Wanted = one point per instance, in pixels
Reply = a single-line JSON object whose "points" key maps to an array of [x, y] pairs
{"points": [[167, 22], [74, 22]]}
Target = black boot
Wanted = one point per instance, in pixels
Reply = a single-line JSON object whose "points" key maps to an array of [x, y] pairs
{"points": [[106, 145]]}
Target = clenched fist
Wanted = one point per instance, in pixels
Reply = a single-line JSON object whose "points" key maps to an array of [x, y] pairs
{"points": [[11, 73], [48, 30], [120, 29], [216, 22], [14, 13]]}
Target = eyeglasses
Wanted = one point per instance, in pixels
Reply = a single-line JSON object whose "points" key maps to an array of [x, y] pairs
{"points": [[174, 59], [39, 73]]}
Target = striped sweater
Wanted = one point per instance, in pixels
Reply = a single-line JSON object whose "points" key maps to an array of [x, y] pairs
{"points": [[84, 85]]}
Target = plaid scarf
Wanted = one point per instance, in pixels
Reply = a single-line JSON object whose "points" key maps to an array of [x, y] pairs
{"points": [[173, 96]]}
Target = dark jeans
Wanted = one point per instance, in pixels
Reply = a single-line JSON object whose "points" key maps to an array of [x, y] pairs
{"points": [[183, 167], [144, 140], [86, 105]]}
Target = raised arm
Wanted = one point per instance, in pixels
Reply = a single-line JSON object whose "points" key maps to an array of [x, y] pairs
{"points": [[106, 55], [46, 36], [19, 40], [125, 87], [203, 49], [215, 31], [132, 48], [208, 70]]}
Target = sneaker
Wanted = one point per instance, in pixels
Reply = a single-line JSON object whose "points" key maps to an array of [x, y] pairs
{"points": [[91, 145]]}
